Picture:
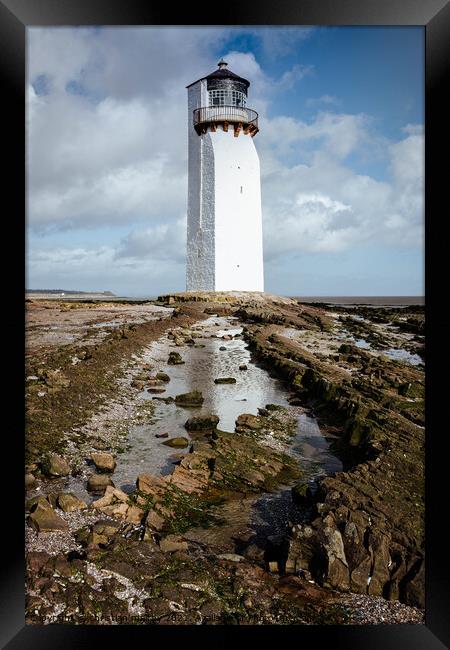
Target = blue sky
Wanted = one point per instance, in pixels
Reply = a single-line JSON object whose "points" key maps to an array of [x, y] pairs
{"points": [[341, 151]]}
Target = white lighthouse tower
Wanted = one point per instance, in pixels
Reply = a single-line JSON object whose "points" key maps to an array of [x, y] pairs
{"points": [[224, 225]]}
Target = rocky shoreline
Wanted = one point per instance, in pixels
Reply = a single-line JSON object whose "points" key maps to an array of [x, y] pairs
{"points": [[169, 551]]}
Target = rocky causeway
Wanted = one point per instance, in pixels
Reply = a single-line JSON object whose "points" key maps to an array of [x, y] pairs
{"points": [[224, 458]]}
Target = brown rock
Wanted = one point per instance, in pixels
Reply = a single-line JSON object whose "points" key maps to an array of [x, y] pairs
{"points": [[104, 462], [179, 441], [193, 398], [202, 423], [54, 466], [69, 502], [97, 483], [30, 481], [134, 515], [173, 543], [248, 421], [154, 520], [149, 484], [45, 520]]}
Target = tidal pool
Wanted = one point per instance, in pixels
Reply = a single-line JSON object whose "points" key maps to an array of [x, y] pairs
{"points": [[254, 388]]}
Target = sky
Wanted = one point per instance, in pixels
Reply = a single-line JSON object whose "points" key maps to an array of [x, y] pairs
{"points": [[341, 148]]}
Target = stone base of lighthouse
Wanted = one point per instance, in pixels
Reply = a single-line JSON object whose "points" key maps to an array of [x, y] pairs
{"points": [[224, 237]]}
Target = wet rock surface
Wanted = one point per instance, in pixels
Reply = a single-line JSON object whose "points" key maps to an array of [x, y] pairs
{"points": [[252, 524]]}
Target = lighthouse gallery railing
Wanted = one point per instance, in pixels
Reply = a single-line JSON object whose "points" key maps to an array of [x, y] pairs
{"points": [[208, 114]]}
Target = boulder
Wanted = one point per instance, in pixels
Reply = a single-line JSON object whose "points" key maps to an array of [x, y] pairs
{"points": [[44, 519], [162, 376], [337, 573], [149, 484], [231, 557], [174, 359], [104, 462], [54, 466], [248, 421], [97, 483], [154, 520], [30, 481], [222, 348], [301, 493], [111, 496], [134, 515], [194, 398], [202, 423], [225, 380], [34, 501], [161, 435], [69, 502], [173, 543], [243, 366], [179, 441]]}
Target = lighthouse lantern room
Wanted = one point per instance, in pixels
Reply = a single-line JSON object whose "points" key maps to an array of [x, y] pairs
{"points": [[224, 229]]}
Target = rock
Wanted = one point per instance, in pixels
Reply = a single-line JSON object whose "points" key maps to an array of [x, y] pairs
{"points": [[173, 543], [134, 515], [202, 423], [149, 484], [337, 573], [36, 560], [137, 383], [179, 441], [154, 520], [162, 376], [174, 359], [30, 481], [222, 348], [112, 496], [104, 462], [243, 366], [248, 421], [194, 398], [156, 389], [106, 528], [54, 466], [415, 588], [44, 519], [167, 400], [34, 501], [161, 435], [232, 557], [254, 553], [301, 493], [70, 503], [225, 380], [52, 498], [97, 483]]}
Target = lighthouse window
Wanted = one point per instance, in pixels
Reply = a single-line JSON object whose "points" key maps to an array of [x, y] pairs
{"points": [[226, 98]]}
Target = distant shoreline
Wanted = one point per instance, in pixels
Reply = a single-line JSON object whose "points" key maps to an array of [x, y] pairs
{"points": [[364, 300], [333, 300]]}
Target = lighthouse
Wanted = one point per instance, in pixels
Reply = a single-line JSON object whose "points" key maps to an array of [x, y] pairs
{"points": [[224, 222]]}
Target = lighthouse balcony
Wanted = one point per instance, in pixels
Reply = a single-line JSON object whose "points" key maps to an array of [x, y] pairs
{"points": [[240, 117]]}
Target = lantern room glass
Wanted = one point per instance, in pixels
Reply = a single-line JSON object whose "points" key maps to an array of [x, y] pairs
{"points": [[226, 98]]}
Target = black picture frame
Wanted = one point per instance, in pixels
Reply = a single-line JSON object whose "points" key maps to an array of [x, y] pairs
{"points": [[434, 16]]}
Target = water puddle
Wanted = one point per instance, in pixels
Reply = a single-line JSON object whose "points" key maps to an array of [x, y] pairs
{"points": [[254, 388], [403, 355]]}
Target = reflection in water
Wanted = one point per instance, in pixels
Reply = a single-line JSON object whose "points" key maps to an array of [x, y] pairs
{"points": [[254, 388]]}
